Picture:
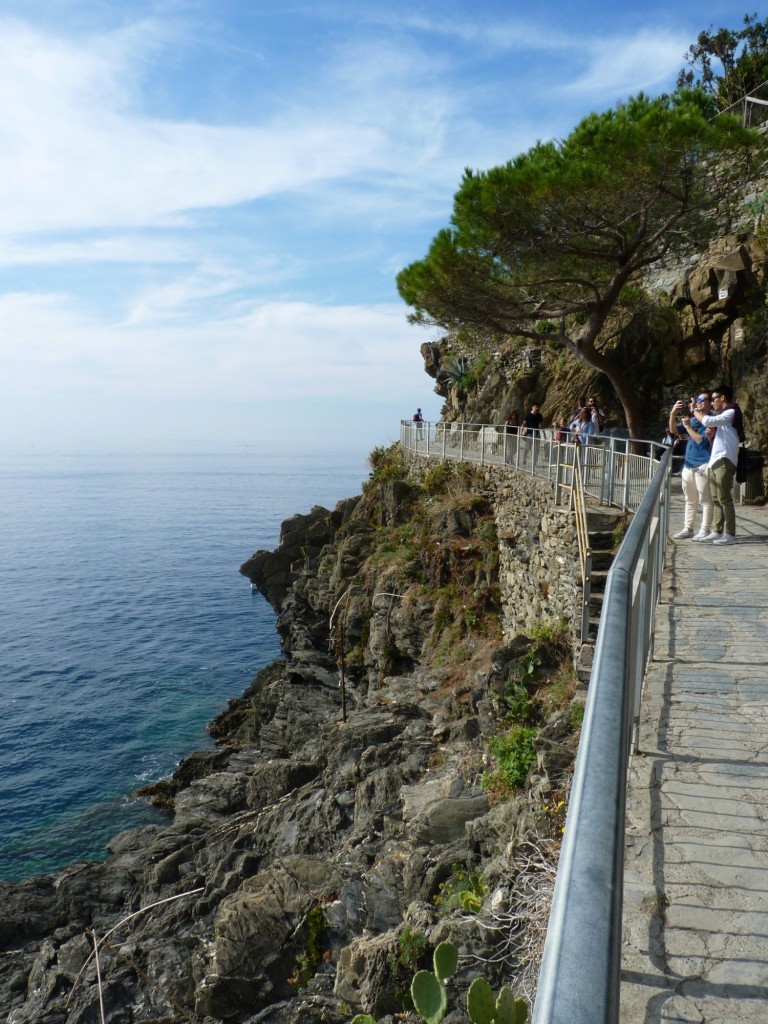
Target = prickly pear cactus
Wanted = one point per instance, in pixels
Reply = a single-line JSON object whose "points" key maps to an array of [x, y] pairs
{"points": [[510, 1010], [363, 1018], [446, 960], [481, 1005], [429, 997]]}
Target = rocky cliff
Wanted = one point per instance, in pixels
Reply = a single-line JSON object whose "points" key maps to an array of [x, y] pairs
{"points": [[398, 778]]}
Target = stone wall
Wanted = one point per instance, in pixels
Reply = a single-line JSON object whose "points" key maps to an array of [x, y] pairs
{"points": [[539, 572]]}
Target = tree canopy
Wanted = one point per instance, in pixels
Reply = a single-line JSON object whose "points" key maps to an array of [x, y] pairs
{"points": [[543, 246], [728, 64]]}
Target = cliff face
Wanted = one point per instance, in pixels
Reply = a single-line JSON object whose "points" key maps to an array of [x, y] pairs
{"points": [[324, 857]]}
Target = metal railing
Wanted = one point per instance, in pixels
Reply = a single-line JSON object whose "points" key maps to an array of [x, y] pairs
{"points": [[585, 551], [753, 107], [581, 966], [614, 471], [580, 973]]}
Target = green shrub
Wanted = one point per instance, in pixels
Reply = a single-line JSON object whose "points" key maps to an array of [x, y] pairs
{"points": [[464, 888], [518, 701], [515, 753]]}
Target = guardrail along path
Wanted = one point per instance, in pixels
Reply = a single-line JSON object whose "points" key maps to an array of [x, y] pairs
{"points": [[695, 928]]}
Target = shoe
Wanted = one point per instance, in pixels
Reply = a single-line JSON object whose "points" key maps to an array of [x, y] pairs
{"points": [[715, 535], [683, 534], [727, 538], [701, 535]]}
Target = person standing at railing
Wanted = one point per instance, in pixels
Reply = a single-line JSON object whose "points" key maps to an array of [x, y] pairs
{"points": [[531, 426], [596, 414], [418, 420], [511, 429], [584, 427], [695, 473], [727, 417]]}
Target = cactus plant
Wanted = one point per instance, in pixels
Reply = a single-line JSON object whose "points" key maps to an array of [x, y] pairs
{"points": [[429, 997], [363, 1018], [481, 1006], [445, 960], [428, 991], [510, 1010], [484, 1009]]}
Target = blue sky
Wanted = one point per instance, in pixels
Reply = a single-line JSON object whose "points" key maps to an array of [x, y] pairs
{"points": [[204, 203]]}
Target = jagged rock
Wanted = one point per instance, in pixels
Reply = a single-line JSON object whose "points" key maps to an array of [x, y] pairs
{"points": [[444, 821], [431, 355], [363, 977], [302, 539], [397, 500], [255, 938]]}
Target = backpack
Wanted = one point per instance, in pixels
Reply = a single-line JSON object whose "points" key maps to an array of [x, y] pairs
{"points": [[743, 458]]}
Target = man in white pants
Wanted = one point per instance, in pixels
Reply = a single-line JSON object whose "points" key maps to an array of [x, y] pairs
{"points": [[695, 474], [727, 417]]}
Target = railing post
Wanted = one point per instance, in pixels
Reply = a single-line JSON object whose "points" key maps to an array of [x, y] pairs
{"points": [[461, 442]]}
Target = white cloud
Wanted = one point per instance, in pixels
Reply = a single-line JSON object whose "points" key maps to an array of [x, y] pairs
{"points": [[623, 66], [76, 155], [124, 248], [277, 350]]}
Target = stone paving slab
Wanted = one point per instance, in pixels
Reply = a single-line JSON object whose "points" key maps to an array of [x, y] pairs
{"points": [[695, 933]]}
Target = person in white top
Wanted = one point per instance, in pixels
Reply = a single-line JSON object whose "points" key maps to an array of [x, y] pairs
{"points": [[722, 461], [596, 414]]}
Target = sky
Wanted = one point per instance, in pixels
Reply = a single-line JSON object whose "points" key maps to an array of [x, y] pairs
{"points": [[204, 203]]}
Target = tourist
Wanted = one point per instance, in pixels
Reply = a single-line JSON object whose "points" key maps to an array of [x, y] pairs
{"points": [[585, 427], [531, 426], [562, 432], [511, 430], [597, 415], [726, 416], [695, 472]]}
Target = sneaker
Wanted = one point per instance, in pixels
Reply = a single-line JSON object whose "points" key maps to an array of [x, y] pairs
{"points": [[715, 535], [683, 534], [701, 535], [727, 538]]}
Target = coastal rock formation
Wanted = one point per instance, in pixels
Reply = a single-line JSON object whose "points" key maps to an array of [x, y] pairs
{"points": [[316, 853]]}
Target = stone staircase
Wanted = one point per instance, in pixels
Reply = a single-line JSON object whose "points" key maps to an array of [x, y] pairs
{"points": [[602, 527]]}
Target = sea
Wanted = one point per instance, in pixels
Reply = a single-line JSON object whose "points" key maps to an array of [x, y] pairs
{"points": [[125, 625]]}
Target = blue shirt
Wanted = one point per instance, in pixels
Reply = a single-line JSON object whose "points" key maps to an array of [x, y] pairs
{"points": [[696, 454]]}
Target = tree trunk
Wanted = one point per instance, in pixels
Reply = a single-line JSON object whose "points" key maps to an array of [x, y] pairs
{"points": [[621, 384]]}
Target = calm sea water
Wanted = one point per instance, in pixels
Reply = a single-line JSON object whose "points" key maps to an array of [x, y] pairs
{"points": [[125, 626]]}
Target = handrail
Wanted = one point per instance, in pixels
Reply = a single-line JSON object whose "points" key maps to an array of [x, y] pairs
{"points": [[582, 534], [614, 472], [581, 965]]}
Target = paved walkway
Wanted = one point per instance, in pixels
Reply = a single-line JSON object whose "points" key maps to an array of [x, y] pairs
{"points": [[696, 881]]}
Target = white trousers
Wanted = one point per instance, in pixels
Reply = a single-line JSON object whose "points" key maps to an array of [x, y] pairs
{"points": [[696, 492]]}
